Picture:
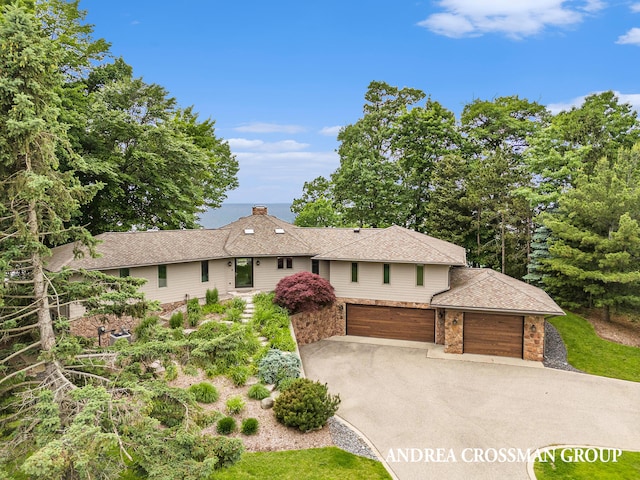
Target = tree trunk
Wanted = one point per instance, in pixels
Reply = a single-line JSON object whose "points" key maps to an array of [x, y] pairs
{"points": [[503, 242], [606, 313]]}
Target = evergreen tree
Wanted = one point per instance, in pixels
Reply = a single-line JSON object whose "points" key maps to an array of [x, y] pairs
{"points": [[595, 243]]}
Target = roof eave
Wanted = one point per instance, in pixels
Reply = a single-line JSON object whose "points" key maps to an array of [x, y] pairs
{"points": [[499, 310]]}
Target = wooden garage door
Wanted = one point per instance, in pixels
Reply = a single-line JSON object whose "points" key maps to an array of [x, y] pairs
{"points": [[491, 334], [391, 322]]}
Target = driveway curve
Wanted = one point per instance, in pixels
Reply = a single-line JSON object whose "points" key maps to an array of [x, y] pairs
{"points": [[452, 419]]}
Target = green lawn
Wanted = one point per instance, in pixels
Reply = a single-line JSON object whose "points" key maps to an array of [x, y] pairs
{"points": [[627, 467], [588, 352], [314, 464]]}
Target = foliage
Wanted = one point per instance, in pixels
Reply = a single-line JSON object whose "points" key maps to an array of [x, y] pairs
{"points": [[239, 374], [206, 418], [171, 372], [249, 426], [226, 425], [237, 303], [258, 392], [277, 365], [283, 341], [235, 404], [194, 312], [204, 392], [158, 164], [233, 314], [595, 244], [285, 383], [304, 291], [306, 405], [211, 296], [588, 352], [176, 320], [328, 463], [626, 465]]}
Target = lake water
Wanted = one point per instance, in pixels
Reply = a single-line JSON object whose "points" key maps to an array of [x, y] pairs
{"points": [[230, 212]]}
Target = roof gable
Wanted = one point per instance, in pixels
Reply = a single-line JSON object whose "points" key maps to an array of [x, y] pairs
{"points": [[488, 290]]}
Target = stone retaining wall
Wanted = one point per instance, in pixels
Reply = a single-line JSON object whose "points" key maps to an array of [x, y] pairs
{"points": [[310, 327]]}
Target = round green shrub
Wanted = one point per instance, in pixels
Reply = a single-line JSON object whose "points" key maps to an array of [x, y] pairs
{"points": [[204, 392], [205, 419], [249, 426], [211, 296], [238, 374], [235, 404], [306, 405], [285, 383], [226, 425], [258, 392], [176, 320]]}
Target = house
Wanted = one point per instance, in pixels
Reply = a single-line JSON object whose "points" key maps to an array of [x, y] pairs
{"points": [[390, 282]]}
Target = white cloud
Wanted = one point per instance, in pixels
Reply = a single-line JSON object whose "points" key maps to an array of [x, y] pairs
{"points": [[330, 131], [632, 37], [514, 18], [631, 98], [269, 128], [238, 144], [635, 8]]}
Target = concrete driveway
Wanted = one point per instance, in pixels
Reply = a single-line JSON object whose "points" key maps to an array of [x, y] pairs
{"points": [[451, 419]]}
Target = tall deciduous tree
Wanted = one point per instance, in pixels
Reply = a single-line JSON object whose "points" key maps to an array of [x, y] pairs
{"points": [[367, 184], [595, 243], [158, 164]]}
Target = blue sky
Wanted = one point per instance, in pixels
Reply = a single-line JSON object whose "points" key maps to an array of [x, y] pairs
{"points": [[281, 77]]}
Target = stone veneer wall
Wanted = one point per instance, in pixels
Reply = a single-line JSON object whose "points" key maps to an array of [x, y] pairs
{"points": [[533, 344], [440, 312], [310, 327], [453, 331]]}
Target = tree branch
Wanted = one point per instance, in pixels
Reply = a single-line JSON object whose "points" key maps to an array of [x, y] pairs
{"points": [[29, 347]]}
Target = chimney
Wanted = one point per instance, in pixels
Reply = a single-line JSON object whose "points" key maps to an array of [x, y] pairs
{"points": [[259, 210]]}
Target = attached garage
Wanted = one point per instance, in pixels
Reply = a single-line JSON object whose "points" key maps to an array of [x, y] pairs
{"points": [[493, 334], [391, 322]]}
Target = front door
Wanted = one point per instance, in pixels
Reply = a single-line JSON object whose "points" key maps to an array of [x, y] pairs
{"points": [[244, 272]]}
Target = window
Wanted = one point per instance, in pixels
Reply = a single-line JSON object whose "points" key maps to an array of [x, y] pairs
{"points": [[420, 275], [354, 272], [204, 270], [282, 261], [386, 273], [315, 267], [162, 275], [124, 272]]}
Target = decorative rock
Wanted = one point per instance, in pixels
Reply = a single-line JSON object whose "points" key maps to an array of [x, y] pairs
{"points": [[275, 394], [271, 388], [266, 403], [187, 331], [252, 381]]}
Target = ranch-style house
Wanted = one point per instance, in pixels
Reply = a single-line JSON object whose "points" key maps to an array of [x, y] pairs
{"points": [[390, 282]]}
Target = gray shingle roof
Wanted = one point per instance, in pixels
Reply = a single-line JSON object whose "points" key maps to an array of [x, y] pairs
{"points": [[398, 245], [488, 290], [260, 235]]}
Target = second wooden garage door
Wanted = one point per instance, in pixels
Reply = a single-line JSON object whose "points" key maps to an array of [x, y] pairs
{"points": [[491, 334], [391, 322]]}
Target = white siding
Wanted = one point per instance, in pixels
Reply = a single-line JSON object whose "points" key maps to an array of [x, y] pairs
{"points": [[402, 286], [182, 279], [267, 274], [325, 269]]}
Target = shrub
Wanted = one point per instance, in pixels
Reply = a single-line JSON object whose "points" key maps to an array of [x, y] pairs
{"points": [[239, 374], [306, 405], [233, 315], [205, 419], [211, 296], [285, 383], [235, 404], [277, 365], [237, 303], [190, 370], [167, 410], [147, 329], [249, 426], [226, 425], [204, 392], [213, 308], [283, 341], [176, 320], [194, 312], [258, 392], [227, 450], [171, 372], [304, 292]]}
